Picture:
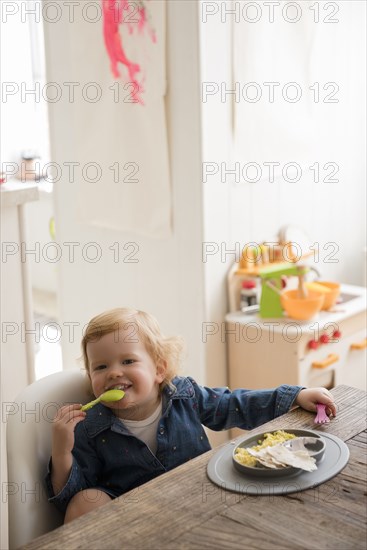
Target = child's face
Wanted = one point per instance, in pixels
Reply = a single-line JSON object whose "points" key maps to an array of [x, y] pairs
{"points": [[121, 360]]}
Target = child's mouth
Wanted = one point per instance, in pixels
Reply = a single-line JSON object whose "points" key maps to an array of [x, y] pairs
{"points": [[123, 387]]}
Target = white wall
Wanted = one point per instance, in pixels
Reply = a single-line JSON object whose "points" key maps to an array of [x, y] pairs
{"points": [[307, 131], [217, 139]]}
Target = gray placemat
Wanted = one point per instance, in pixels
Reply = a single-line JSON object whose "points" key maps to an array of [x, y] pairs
{"points": [[221, 471]]}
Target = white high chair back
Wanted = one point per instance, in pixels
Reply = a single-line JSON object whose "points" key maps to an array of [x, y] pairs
{"points": [[29, 425]]}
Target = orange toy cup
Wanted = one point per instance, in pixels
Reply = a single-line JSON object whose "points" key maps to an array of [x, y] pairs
{"points": [[301, 309], [330, 297]]}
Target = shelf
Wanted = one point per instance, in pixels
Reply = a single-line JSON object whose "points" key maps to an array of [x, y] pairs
{"points": [[16, 193]]}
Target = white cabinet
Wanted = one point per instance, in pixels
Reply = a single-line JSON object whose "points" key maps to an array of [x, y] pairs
{"points": [[17, 353], [264, 353], [354, 371], [17, 347], [40, 216]]}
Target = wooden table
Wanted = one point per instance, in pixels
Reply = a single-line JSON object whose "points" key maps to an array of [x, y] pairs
{"points": [[183, 509]]}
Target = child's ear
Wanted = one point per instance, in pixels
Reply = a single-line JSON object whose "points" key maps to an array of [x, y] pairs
{"points": [[161, 370]]}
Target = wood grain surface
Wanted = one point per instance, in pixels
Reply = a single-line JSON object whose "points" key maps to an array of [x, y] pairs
{"points": [[184, 510]]}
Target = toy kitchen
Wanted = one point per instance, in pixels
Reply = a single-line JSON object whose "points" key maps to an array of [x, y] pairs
{"points": [[285, 326]]}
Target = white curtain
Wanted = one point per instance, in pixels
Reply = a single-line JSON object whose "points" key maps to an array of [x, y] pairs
{"points": [[126, 141]]}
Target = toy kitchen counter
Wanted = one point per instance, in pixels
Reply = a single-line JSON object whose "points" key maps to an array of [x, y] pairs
{"points": [[328, 350]]}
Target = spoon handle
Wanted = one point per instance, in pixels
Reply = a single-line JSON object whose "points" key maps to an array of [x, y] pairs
{"points": [[89, 405], [302, 290]]}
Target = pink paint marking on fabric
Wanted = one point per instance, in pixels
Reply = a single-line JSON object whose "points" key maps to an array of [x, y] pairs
{"points": [[115, 13]]}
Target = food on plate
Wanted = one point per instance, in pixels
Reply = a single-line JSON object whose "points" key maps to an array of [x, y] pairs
{"points": [[272, 453], [272, 438]]}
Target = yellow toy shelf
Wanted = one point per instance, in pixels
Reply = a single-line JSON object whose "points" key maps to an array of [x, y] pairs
{"points": [[238, 274]]}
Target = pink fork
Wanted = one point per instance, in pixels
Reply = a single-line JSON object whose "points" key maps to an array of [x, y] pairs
{"points": [[321, 416]]}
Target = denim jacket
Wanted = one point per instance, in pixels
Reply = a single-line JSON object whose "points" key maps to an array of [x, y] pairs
{"points": [[107, 456]]}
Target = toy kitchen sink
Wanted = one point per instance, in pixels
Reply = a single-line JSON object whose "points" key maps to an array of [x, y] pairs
{"points": [[328, 350]]}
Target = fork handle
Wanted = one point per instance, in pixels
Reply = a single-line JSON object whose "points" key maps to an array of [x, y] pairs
{"points": [[321, 416]]}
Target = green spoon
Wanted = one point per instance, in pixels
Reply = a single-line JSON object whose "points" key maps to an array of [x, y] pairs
{"points": [[108, 396]]}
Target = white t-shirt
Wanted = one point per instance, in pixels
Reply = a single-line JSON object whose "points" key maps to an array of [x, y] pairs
{"points": [[146, 429]]}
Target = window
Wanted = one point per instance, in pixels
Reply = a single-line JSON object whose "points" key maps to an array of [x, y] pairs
{"points": [[23, 78]]}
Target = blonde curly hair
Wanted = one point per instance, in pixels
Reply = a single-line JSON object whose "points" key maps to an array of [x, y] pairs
{"points": [[161, 348]]}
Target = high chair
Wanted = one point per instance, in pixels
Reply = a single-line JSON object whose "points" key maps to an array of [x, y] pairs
{"points": [[29, 424]]}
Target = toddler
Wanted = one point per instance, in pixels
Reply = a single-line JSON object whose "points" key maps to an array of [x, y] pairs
{"points": [[157, 425]]}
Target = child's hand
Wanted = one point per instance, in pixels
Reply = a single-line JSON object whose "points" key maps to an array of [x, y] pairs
{"points": [[62, 443], [63, 429], [308, 398]]}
